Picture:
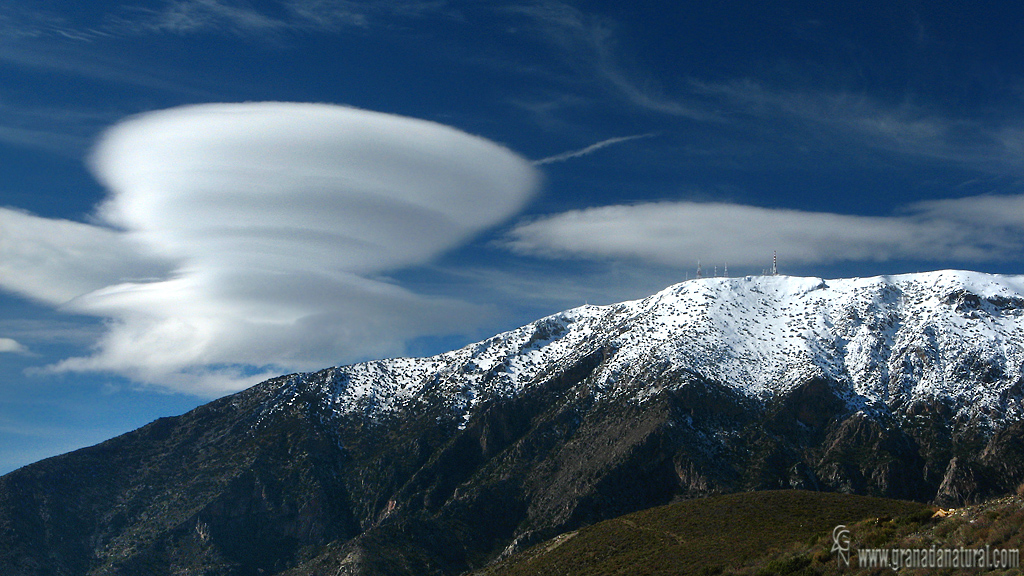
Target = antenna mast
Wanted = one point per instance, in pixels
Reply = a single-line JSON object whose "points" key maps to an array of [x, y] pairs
{"points": [[775, 263]]}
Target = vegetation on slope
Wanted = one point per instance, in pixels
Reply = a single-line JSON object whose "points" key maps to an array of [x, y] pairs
{"points": [[771, 532]]}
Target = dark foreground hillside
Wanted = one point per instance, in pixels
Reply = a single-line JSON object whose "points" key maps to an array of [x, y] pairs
{"points": [[704, 536], [767, 534]]}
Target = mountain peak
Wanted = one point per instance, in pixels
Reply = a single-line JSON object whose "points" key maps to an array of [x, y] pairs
{"points": [[893, 340], [904, 386]]}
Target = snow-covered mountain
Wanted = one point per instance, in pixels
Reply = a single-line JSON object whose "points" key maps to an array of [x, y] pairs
{"points": [[891, 341], [906, 386]]}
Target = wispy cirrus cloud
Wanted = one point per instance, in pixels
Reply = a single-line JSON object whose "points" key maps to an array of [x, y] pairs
{"points": [[237, 17], [186, 16], [589, 45], [589, 149], [41, 139], [748, 109], [855, 120], [239, 240], [987, 228], [20, 21], [64, 131]]}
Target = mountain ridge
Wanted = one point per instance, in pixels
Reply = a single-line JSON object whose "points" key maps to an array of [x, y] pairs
{"points": [[905, 386], [796, 349]]}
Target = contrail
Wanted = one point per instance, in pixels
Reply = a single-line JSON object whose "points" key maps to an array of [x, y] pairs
{"points": [[592, 148]]}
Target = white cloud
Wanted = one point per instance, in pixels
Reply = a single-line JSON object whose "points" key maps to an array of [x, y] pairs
{"points": [[588, 150], [54, 261], [284, 182], [12, 346], [679, 233], [273, 222]]}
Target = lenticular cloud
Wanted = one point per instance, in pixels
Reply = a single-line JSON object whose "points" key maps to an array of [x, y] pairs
{"points": [[287, 186], [273, 220], [981, 228]]}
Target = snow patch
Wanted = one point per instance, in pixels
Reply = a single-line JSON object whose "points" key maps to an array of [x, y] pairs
{"points": [[955, 335]]}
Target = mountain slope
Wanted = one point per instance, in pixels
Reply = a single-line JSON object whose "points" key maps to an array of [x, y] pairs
{"points": [[905, 386], [704, 536], [774, 532], [892, 340], [771, 533]]}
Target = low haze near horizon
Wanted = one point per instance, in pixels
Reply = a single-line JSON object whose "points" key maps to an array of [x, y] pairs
{"points": [[200, 194]]}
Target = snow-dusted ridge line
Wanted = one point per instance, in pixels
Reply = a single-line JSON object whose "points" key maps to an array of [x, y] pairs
{"points": [[956, 336]]}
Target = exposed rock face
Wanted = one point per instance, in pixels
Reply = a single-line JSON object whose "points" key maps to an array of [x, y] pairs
{"points": [[998, 469], [907, 387]]}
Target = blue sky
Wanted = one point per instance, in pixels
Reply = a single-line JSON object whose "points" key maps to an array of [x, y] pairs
{"points": [[198, 194]]}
